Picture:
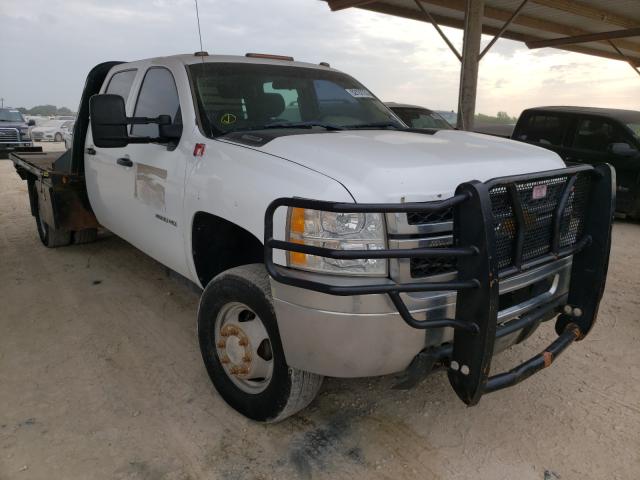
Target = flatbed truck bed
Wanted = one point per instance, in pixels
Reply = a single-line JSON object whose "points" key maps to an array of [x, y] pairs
{"points": [[58, 197]]}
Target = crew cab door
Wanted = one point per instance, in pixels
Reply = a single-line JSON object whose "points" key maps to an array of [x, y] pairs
{"points": [[153, 220], [108, 181]]}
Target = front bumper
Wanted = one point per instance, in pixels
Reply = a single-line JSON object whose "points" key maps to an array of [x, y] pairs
{"points": [[364, 335], [479, 330]]}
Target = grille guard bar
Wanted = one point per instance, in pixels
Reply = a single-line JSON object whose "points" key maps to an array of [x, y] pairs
{"points": [[477, 284]]}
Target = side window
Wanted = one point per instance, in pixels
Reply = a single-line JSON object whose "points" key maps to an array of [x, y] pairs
{"points": [[158, 96], [597, 135], [291, 110], [120, 83], [547, 129]]}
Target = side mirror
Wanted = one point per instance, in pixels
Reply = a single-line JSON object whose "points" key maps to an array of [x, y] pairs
{"points": [[108, 121], [623, 149], [170, 131], [31, 123]]}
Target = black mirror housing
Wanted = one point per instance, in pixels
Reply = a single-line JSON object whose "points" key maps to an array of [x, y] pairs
{"points": [[31, 123], [623, 149], [170, 132], [108, 121]]}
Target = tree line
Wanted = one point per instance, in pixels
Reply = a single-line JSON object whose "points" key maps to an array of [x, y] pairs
{"points": [[46, 110]]}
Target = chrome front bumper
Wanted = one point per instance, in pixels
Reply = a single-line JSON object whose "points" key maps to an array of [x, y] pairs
{"points": [[364, 335]]}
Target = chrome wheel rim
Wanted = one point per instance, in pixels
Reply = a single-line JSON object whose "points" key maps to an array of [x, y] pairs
{"points": [[243, 347]]}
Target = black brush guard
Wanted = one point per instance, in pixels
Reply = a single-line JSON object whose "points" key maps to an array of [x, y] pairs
{"points": [[477, 282]]}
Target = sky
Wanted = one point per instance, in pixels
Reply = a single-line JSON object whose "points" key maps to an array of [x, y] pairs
{"points": [[48, 46]]}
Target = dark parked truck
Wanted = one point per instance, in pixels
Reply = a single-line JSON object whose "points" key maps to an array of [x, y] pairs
{"points": [[14, 133], [592, 136], [329, 239]]}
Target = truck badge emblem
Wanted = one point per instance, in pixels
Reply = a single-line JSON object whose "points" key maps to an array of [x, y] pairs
{"points": [[539, 191]]}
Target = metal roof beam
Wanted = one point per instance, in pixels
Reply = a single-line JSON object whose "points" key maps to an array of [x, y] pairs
{"points": [[624, 57], [335, 5], [588, 11], [414, 14], [439, 30], [590, 37], [503, 29], [522, 20]]}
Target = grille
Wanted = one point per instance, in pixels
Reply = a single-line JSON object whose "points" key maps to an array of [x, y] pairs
{"points": [[425, 267], [37, 135], [538, 217], [9, 135], [419, 218], [538, 223]]}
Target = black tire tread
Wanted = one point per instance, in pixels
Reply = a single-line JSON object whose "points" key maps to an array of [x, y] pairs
{"points": [[304, 386], [87, 235]]}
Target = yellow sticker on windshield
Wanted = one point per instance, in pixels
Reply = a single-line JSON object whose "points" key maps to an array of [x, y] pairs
{"points": [[228, 119]]}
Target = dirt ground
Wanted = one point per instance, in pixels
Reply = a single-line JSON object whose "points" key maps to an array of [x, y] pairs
{"points": [[101, 378]]}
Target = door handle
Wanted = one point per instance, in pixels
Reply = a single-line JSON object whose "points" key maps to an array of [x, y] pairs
{"points": [[91, 151], [125, 162]]}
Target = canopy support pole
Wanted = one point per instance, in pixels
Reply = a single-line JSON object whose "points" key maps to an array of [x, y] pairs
{"points": [[470, 63]]}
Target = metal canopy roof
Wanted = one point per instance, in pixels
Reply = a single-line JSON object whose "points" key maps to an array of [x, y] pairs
{"points": [[565, 24]]}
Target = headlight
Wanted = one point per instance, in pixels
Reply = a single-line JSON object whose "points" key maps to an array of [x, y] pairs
{"points": [[24, 132], [337, 231]]}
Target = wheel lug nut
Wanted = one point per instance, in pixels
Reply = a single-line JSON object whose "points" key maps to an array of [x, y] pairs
{"points": [[221, 344], [246, 359], [243, 342], [225, 359]]}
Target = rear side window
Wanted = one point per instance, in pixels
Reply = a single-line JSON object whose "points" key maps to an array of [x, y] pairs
{"points": [[120, 83], [545, 128], [158, 96], [596, 134]]}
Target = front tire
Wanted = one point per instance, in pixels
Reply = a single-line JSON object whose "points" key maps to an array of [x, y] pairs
{"points": [[57, 138], [242, 350]]}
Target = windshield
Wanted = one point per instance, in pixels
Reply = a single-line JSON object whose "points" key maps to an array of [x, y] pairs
{"points": [[451, 117], [11, 116], [421, 118], [635, 128], [237, 96]]}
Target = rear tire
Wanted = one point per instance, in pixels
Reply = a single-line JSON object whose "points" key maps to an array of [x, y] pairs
{"points": [[50, 237], [236, 312]]}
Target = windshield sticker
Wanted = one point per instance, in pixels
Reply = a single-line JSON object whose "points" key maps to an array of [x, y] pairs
{"points": [[228, 119], [359, 93]]}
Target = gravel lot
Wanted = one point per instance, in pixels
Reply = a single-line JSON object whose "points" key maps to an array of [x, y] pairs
{"points": [[101, 378]]}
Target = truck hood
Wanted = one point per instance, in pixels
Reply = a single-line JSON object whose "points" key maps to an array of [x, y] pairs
{"points": [[393, 166]]}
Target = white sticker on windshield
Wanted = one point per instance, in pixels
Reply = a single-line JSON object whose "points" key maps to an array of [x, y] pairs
{"points": [[359, 93]]}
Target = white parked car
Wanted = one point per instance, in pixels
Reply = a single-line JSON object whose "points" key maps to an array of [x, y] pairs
{"points": [[51, 130], [327, 238], [67, 134]]}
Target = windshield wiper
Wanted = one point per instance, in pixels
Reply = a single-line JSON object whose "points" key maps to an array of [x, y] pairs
{"points": [[268, 126], [375, 125]]}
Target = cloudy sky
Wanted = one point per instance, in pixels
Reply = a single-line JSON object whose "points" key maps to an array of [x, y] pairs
{"points": [[48, 46]]}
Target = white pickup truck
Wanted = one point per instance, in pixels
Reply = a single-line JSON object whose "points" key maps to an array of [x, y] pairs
{"points": [[329, 239]]}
